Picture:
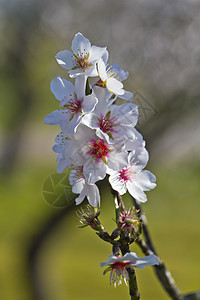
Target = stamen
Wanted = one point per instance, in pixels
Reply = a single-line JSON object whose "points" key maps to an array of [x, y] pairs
{"points": [[107, 123], [99, 150], [74, 106]]}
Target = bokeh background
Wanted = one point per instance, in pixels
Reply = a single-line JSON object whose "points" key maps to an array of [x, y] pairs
{"points": [[158, 42]]}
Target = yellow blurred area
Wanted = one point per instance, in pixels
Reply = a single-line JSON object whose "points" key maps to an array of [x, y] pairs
{"points": [[69, 260]]}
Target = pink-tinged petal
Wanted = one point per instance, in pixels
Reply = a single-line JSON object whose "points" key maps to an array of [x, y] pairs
{"points": [[80, 44], [114, 86], [93, 195], [62, 88], [126, 95], [102, 70], [96, 53], [136, 192], [65, 58], [145, 180], [89, 103], [117, 184], [80, 83]]}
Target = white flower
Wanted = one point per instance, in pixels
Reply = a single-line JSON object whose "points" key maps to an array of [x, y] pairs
{"points": [[133, 178], [74, 104], [95, 154], [82, 59], [80, 186], [112, 122], [118, 265], [111, 79], [61, 143]]}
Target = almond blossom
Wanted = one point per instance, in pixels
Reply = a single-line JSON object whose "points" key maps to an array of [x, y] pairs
{"points": [[86, 149], [82, 59], [80, 186], [132, 177], [113, 122], [74, 104], [111, 77], [118, 265]]}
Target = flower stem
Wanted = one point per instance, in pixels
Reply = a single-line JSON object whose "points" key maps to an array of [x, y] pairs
{"points": [[133, 288]]}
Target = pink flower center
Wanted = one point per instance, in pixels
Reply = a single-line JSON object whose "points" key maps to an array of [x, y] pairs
{"points": [[99, 150], [74, 106], [119, 264], [126, 174], [107, 123]]}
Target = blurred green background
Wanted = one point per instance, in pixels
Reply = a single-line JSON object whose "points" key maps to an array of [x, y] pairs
{"points": [[158, 42]]}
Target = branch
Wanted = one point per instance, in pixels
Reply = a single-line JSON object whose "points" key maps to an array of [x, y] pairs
{"points": [[161, 271]]}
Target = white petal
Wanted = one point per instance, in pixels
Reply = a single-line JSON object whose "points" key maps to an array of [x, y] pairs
{"points": [[136, 192], [139, 156], [89, 71], [89, 103], [118, 160], [102, 70], [105, 57], [62, 165], [121, 74], [127, 113], [78, 186], [81, 197], [62, 88], [56, 117], [96, 53], [138, 142], [146, 180], [126, 95], [80, 44], [90, 120], [74, 180], [93, 195], [80, 83], [141, 262], [117, 184], [101, 93], [110, 260], [114, 86], [94, 171], [65, 58]]}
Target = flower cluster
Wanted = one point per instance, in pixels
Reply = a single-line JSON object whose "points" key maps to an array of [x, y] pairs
{"points": [[97, 136]]}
